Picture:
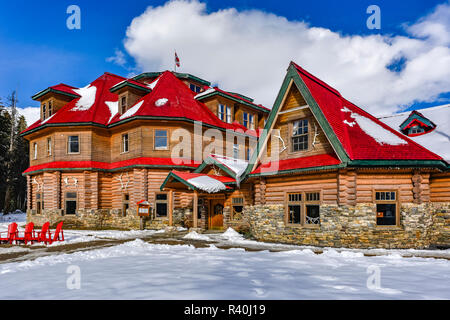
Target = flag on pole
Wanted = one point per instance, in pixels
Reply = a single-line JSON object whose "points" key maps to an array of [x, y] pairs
{"points": [[177, 60]]}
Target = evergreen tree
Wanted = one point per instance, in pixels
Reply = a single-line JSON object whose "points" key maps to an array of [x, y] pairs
{"points": [[14, 157]]}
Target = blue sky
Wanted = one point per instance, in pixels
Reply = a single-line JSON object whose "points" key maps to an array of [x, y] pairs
{"points": [[37, 50]]}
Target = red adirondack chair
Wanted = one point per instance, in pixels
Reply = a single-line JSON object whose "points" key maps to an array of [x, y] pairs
{"points": [[57, 236], [10, 235], [42, 235], [28, 234]]}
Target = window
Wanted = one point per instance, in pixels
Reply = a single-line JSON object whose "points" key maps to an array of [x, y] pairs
{"points": [[294, 208], [303, 209], [251, 121], [35, 151], [49, 146], [125, 143], [195, 88], [39, 203], [236, 151], [125, 204], [245, 119], [300, 135], [71, 203], [247, 154], [312, 205], [221, 112], [161, 204], [229, 118], [74, 144], [44, 111], [123, 104], [161, 139], [386, 202], [237, 208], [50, 109], [416, 129]]}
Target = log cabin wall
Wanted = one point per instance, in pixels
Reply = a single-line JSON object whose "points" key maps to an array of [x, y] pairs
{"points": [[440, 187], [294, 109]]}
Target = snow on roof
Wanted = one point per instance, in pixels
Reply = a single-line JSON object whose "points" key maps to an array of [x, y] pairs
{"points": [[438, 140], [373, 129], [238, 166], [113, 108], [87, 99], [207, 184], [161, 102], [153, 84], [204, 93], [130, 112], [362, 136]]}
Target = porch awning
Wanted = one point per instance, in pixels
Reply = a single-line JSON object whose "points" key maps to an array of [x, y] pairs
{"points": [[198, 181]]}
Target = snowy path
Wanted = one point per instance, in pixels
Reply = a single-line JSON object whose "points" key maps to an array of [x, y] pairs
{"points": [[139, 270]]}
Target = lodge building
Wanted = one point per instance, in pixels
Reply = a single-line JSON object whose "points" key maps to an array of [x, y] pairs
{"points": [[314, 170]]}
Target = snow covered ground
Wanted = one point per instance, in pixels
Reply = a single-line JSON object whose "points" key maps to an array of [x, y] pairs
{"points": [[141, 270]]}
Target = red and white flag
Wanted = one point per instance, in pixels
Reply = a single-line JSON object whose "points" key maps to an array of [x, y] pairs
{"points": [[177, 60]]}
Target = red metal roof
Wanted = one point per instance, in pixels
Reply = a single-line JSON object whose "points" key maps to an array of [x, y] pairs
{"points": [[357, 142], [297, 163], [98, 112], [180, 104], [115, 165]]}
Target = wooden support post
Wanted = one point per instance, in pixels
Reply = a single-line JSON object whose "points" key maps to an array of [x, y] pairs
{"points": [[171, 208], [195, 211]]}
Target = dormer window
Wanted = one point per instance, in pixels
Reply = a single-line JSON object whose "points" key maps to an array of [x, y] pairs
{"points": [[50, 109], [195, 88], [416, 130], [417, 124], [44, 110], [224, 113], [123, 104], [248, 120]]}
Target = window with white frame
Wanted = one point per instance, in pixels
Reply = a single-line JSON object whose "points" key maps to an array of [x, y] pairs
{"points": [[236, 151], [245, 119], [300, 135], [35, 151], [251, 120], [195, 88], [49, 146], [161, 140], [125, 143], [73, 144], [228, 115]]}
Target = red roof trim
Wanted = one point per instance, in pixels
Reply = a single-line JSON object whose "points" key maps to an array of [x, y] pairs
{"points": [[297, 163], [72, 165]]}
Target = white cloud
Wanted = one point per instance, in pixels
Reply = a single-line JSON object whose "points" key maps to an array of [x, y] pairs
{"points": [[31, 114], [118, 58], [249, 51]]}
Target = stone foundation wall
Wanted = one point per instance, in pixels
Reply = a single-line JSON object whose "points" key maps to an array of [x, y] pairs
{"points": [[421, 226], [102, 219]]}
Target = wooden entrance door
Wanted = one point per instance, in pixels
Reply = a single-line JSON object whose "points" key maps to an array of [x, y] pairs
{"points": [[216, 214]]}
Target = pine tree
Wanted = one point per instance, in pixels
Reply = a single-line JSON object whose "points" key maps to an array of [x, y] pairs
{"points": [[14, 155]]}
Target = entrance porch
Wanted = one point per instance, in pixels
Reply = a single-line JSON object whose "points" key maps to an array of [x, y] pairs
{"points": [[209, 194]]}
